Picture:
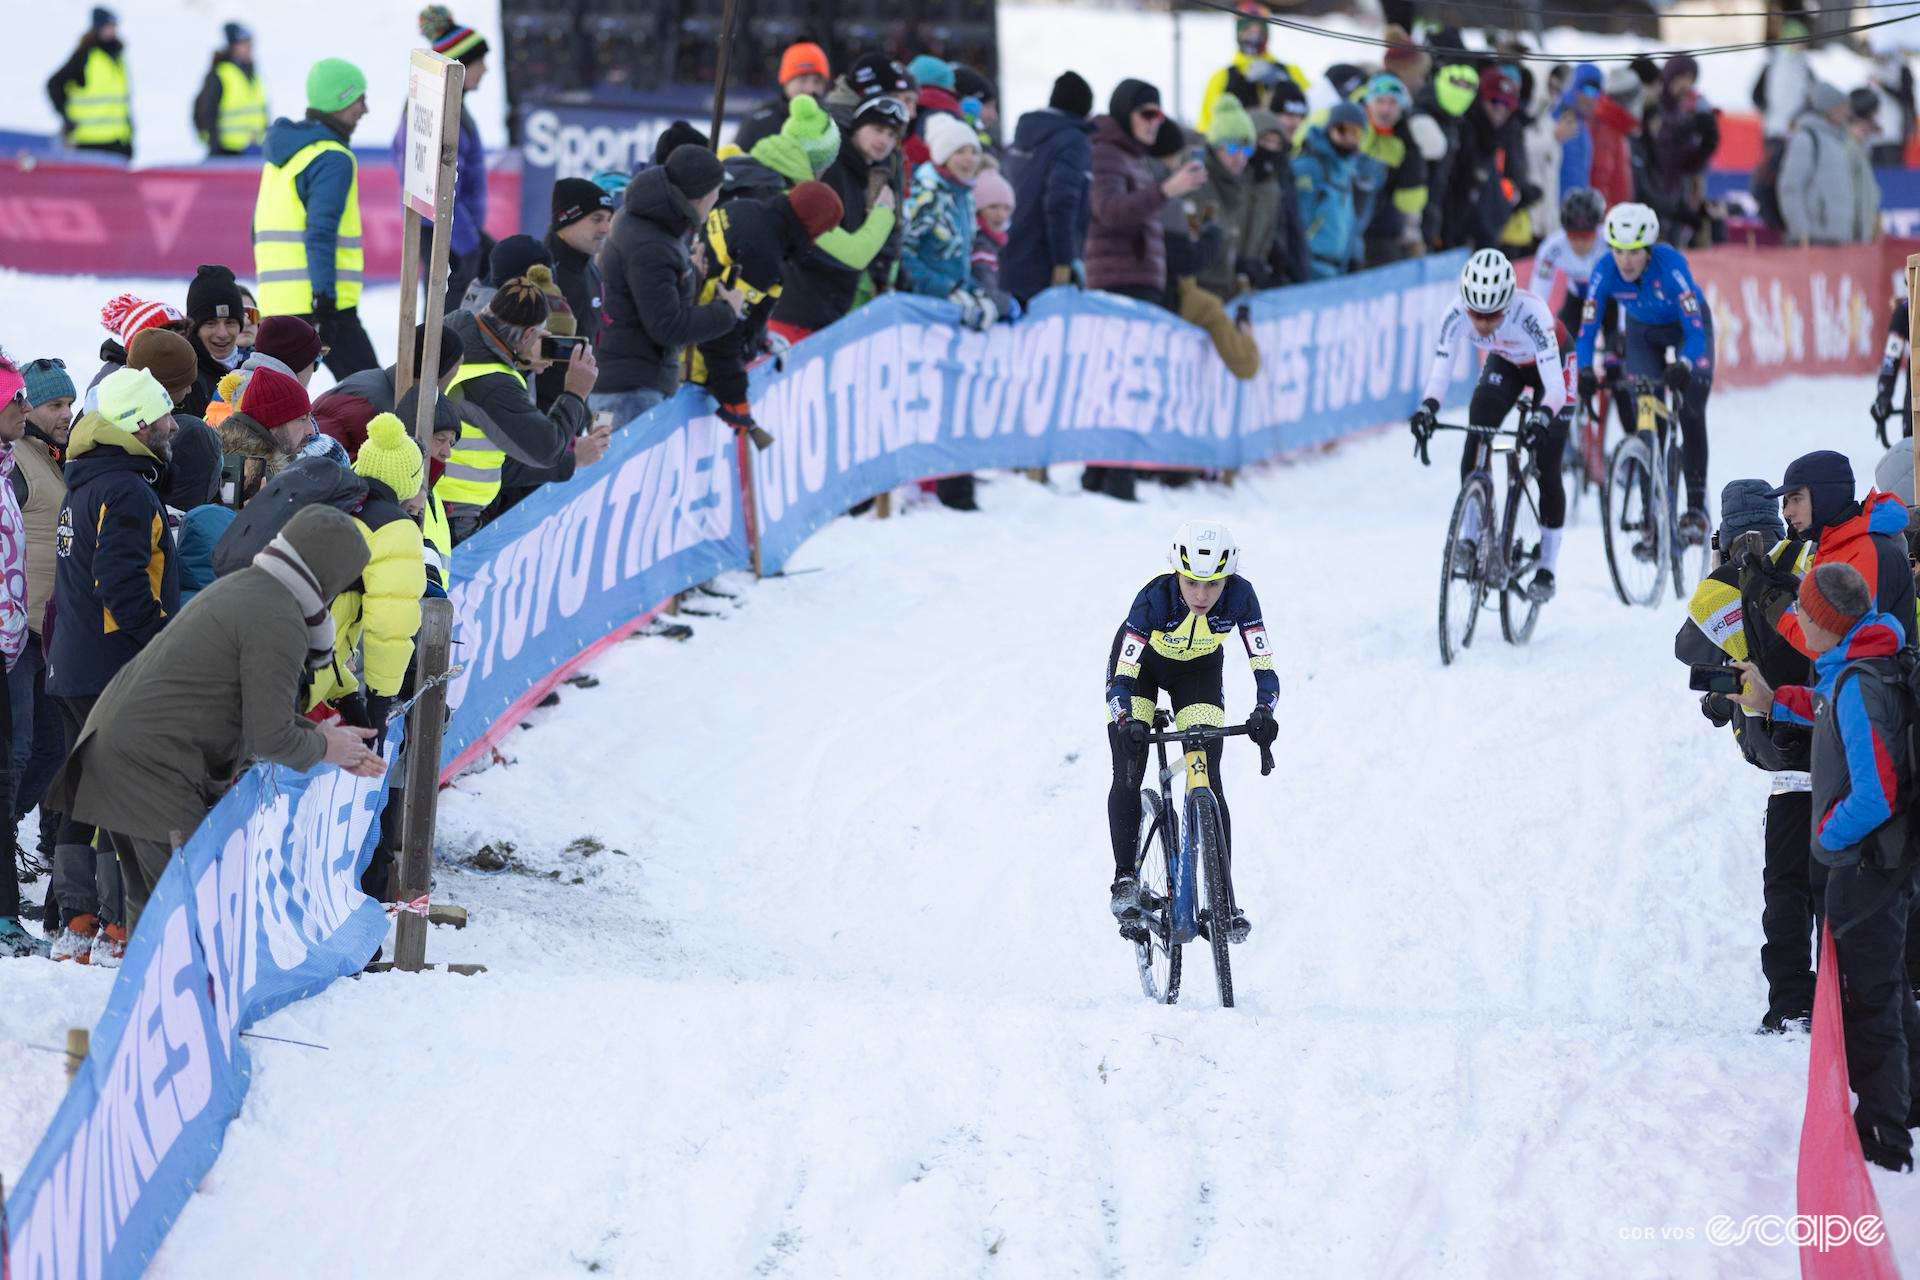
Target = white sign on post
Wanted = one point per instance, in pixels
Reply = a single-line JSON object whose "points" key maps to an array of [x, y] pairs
{"points": [[426, 125]]}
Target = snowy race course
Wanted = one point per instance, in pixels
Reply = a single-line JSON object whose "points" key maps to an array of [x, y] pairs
{"points": [[801, 963]]}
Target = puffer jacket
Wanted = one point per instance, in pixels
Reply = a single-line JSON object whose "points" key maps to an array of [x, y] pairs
{"points": [[1336, 200], [116, 582], [1125, 247], [1859, 718], [1048, 164], [1871, 536], [940, 223], [38, 462], [380, 612], [822, 281], [650, 314], [1828, 194], [13, 565]]}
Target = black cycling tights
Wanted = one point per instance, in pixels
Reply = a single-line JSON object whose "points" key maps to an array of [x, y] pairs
{"points": [[1499, 388], [1646, 361], [1193, 683]]}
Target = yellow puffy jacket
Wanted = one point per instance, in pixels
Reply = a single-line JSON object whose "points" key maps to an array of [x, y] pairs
{"points": [[380, 612]]}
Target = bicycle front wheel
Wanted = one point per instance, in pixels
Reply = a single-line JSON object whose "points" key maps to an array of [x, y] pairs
{"points": [[1463, 565], [1203, 825], [1691, 561], [1158, 958], [1635, 527], [1522, 539]]}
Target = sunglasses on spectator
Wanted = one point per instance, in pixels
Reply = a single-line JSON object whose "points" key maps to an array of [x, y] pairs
{"points": [[47, 362], [1150, 114], [1244, 150], [252, 314]]}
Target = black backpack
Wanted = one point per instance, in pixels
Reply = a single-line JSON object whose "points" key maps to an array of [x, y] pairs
{"points": [[304, 482], [1895, 844]]}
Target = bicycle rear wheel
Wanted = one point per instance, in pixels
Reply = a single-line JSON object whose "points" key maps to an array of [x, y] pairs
{"points": [[1158, 958], [1522, 538], [1691, 563], [1203, 825], [1463, 565], [1634, 526]]}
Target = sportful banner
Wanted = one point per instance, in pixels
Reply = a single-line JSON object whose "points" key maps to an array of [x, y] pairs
{"points": [[893, 394], [577, 140], [262, 907]]}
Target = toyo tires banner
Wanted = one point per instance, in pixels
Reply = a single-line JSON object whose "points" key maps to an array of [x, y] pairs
{"points": [[262, 907], [895, 393]]}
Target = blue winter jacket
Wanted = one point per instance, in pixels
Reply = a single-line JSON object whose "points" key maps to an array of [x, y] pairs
{"points": [[1859, 736], [1336, 203], [469, 182], [322, 187], [200, 529], [1050, 164], [937, 251], [115, 579], [1576, 153]]}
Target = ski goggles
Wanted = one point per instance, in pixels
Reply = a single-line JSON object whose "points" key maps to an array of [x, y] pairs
{"points": [[886, 110], [1240, 150]]}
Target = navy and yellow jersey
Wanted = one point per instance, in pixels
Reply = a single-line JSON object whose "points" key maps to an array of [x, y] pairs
{"points": [[1161, 622]]}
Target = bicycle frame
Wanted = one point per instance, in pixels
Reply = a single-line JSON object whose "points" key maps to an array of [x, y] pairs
{"points": [[1491, 441], [1183, 906]]}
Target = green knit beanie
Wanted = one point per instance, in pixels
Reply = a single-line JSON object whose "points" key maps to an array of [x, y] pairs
{"points": [[333, 84], [810, 126], [1231, 123]]}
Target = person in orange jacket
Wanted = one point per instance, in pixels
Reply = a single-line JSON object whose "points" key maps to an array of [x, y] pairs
{"points": [[1817, 502]]}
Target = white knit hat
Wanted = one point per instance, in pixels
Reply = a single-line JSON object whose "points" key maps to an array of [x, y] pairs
{"points": [[947, 134]]}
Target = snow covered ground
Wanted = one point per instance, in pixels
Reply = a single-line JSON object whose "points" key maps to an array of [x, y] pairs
{"points": [[801, 965]]}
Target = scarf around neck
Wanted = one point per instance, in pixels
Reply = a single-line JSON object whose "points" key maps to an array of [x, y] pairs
{"points": [[283, 564]]}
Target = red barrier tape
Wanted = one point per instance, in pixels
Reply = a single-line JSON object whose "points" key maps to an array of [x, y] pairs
{"points": [[106, 220], [1832, 1186]]}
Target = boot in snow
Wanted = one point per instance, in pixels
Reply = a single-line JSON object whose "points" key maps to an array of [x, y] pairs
{"points": [[16, 942], [109, 946], [76, 940]]}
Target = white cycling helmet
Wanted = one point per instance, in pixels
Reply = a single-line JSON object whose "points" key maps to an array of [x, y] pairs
{"points": [[1203, 550], [1486, 283], [1632, 226]]}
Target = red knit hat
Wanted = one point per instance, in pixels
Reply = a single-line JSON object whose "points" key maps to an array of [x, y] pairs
{"points": [[1818, 602], [125, 315], [272, 399], [818, 207]]}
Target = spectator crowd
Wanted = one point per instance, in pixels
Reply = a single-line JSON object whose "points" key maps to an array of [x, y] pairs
{"points": [[202, 564]]}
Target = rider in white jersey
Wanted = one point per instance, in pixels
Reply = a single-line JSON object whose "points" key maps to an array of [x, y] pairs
{"points": [[1524, 347], [1572, 251]]}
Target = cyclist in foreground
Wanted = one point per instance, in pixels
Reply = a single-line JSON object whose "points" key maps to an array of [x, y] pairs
{"points": [[1172, 640], [1523, 345], [1664, 308]]}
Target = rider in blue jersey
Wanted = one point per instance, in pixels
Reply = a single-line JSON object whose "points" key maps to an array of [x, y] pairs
{"points": [[1664, 308]]}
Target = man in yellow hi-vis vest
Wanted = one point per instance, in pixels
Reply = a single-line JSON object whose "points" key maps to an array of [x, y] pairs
{"points": [[500, 423], [89, 91], [231, 111], [307, 254]]}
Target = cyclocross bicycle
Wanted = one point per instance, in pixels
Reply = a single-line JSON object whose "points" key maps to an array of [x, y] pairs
{"points": [[1188, 851], [1641, 515], [1584, 460], [1484, 565]]}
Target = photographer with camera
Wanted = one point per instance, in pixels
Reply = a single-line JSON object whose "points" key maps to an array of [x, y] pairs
{"points": [[1733, 617]]}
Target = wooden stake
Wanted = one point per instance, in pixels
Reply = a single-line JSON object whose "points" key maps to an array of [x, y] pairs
{"points": [[437, 263], [727, 14], [76, 1049], [422, 781]]}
